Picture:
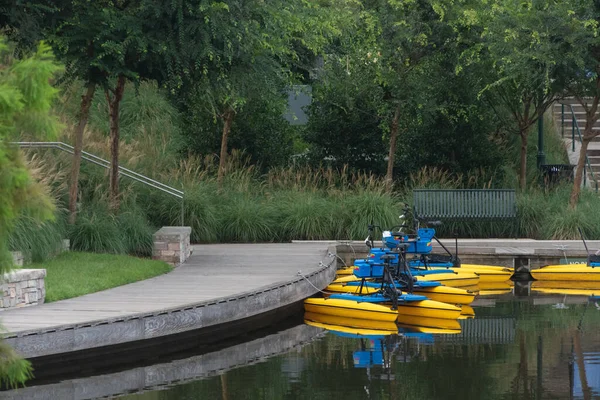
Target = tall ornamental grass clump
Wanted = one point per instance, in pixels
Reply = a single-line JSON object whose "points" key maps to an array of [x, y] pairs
{"points": [[306, 216], [562, 223], [98, 230], [245, 218], [37, 241], [361, 208], [136, 232]]}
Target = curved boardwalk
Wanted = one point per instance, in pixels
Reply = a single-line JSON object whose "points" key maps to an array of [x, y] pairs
{"points": [[217, 285]]}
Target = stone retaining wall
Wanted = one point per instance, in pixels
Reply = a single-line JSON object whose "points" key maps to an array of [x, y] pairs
{"points": [[23, 287], [172, 244]]}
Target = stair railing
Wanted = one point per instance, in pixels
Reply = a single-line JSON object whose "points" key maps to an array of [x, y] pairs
{"points": [[575, 128], [106, 164]]}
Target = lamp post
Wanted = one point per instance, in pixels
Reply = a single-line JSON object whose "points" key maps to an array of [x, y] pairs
{"points": [[541, 157]]}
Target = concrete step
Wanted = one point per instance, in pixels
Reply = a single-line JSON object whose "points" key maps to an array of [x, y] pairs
{"points": [[578, 110], [568, 133], [593, 159], [568, 100], [573, 101], [580, 122], [593, 153]]}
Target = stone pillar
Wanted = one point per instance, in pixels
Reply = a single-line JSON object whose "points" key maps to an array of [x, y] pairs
{"points": [[23, 287], [172, 244]]}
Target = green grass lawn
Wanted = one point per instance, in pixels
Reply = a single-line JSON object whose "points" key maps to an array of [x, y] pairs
{"points": [[73, 274]]}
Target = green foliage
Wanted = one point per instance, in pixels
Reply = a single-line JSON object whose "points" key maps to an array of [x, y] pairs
{"points": [[532, 211], [344, 125], [74, 274], [308, 216], [144, 111], [14, 370], [246, 219], [135, 231], [366, 207], [25, 99], [38, 241], [199, 208], [96, 231], [563, 223], [258, 128]]}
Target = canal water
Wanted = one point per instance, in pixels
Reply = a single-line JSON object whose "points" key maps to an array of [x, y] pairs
{"points": [[541, 346], [522, 343]]}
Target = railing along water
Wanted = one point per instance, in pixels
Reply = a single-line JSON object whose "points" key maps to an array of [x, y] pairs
{"points": [[106, 164], [575, 126]]}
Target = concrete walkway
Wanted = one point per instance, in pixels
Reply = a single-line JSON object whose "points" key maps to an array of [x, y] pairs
{"points": [[217, 285]]}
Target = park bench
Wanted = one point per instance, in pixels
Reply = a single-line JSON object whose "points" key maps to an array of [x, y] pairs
{"points": [[465, 204]]}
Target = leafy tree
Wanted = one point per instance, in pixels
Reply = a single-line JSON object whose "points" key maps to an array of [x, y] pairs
{"points": [[519, 43], [259, 129], [249, 52], [582, 39], [346, 122], [26, 96], [408, 36]]}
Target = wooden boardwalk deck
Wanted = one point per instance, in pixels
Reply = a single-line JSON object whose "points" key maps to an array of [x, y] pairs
{"points": [[218, 284]]}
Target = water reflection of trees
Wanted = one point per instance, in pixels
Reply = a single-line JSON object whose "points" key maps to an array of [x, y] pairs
{"points": [[543, 358]]}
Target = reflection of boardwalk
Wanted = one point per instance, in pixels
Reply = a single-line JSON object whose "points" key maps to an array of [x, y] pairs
{"points": [[483, 330], [176, 372]]}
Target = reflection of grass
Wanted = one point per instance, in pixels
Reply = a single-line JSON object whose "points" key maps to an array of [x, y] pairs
{"points": [[75, 274]]}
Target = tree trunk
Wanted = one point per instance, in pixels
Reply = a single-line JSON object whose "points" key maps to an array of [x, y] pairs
{"points": [[523, 160], [84, 112], [579, 172], [389, 176], [588, 135], [585, 388], [113, 106], [227, 119]]}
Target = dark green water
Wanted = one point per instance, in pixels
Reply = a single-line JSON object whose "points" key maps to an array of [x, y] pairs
{"points": [[530, 347]]}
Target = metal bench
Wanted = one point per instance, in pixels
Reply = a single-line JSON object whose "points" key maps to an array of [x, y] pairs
{"points": [[465, 204]]}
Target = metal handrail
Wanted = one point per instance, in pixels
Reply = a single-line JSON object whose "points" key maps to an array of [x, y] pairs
{"points": [[106, 164], [575, 126]]}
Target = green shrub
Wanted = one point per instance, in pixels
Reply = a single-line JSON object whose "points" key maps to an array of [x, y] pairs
{"points": [[307, 216], [361, 208], [199, 210], [246, 219], [97, 231], [136, 232], [37, 241], [532, 213]]}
